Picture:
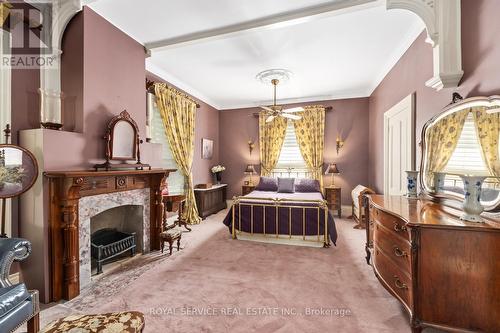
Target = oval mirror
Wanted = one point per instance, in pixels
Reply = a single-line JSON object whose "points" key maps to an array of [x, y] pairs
{"points": [[463, 140], [18, 170]]}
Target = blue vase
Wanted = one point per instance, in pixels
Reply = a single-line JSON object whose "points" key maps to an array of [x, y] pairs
{"points": [[472, 198], [411, 184]]}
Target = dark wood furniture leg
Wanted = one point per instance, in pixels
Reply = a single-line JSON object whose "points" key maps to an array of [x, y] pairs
{"points": [[179, 244], [34, 324], [181, 222]]}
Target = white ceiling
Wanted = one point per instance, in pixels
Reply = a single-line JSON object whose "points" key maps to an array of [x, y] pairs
{"points": [[338, 54]]}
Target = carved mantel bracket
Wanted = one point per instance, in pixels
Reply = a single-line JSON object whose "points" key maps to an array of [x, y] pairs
{"points": [[442, 19]]}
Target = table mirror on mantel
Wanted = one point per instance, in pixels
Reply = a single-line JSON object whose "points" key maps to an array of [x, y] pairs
{"points": [[463, 140], [122, 144]]}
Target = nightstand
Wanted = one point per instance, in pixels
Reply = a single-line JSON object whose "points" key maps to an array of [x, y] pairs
{"points": [[245, 189], [333, 197]]}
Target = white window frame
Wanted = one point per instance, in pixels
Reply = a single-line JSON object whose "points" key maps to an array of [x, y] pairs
{"points": [[292, 170]]}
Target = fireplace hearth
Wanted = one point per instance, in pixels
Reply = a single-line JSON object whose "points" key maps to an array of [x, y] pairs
{"points": [[109, 243]]}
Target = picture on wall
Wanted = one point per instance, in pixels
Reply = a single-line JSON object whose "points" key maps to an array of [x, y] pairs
{"points": [[207, 149]]}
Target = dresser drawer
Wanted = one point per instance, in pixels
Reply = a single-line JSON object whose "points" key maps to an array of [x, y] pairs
{"points": [[394, 247], [395, 279], [392, 223]]}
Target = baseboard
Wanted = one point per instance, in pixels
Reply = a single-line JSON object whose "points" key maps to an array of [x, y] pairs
{"points": [[15, 278]]}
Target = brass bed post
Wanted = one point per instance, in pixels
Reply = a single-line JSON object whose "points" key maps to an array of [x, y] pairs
{"points": [[276, 204], [327, 238], [251, 219], [318, 209], [233, 222], [304, 223]]}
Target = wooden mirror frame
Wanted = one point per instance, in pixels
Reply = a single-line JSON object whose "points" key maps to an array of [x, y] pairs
{"points": [[109, 137], [453, 199]]}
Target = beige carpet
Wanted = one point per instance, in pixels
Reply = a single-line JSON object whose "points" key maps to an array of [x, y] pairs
{"points": [[216, 284]]}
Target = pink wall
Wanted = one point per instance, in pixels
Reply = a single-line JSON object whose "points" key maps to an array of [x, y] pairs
{"points": [[101, 78], [206, 127], [481, 54], [349, 118]]}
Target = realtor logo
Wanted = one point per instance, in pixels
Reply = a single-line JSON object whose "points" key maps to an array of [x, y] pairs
{"points": [[26, 34]]}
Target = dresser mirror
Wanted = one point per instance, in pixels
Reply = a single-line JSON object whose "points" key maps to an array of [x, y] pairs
{"points": [[463, 140]]}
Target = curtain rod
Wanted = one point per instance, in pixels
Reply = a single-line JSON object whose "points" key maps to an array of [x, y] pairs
{"points": [[150, 89], [327, 109]]}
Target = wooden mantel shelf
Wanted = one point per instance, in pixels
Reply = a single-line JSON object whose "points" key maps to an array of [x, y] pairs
{"points": [[65, 190], [93, 173]]}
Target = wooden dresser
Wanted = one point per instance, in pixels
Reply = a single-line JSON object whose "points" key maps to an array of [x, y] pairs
{"points": [[211, 200], [444, 271]]}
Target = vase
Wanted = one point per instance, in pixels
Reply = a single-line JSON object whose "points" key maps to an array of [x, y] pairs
{"points": [[218, 176], [472, 198], [411, 184], [439, 178]]}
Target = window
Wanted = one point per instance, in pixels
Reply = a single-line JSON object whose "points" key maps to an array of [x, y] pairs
{"points": [[467, 155], [176, 179], [291, 163]]}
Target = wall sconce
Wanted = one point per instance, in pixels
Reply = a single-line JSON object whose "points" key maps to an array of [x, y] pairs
{"points": [[251, 146], [340, 144]]}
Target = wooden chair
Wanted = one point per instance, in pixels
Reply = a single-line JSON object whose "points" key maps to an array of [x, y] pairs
{"points": [[357, 205], [171, 234]]}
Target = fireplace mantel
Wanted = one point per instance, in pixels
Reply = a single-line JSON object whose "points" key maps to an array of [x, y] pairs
{"points": [[65, 190]]}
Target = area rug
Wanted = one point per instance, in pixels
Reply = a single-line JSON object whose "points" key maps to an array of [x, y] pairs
{"points": [[216, 284]]}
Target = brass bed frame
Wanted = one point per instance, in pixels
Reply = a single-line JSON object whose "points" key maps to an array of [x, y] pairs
{"points": [[320, 206]]}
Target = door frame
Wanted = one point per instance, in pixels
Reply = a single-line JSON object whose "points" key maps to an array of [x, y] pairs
{"points": [[406, 103]]}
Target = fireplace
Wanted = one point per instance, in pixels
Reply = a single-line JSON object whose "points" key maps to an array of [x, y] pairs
{"points": [[77, 197]]}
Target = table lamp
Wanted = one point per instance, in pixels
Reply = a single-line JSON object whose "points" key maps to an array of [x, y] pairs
{"points": [[250, 169], [332, 169]]}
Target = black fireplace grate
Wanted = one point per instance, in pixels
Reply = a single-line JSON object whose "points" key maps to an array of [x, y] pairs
{"points": [[109, 243]]}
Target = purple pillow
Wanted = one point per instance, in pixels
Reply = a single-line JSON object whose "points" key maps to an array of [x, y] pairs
{"points": [[286, 185], [307, 185], [267, 184]]}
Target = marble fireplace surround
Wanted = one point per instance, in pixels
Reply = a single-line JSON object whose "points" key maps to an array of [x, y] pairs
{"points": [[93, 205]]}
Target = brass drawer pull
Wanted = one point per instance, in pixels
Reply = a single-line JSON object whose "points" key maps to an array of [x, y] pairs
{"points": [[398, 228], [399, 253], [399, 284]]}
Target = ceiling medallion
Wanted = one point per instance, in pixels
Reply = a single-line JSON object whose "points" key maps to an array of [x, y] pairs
{"points": [[267, 76]]}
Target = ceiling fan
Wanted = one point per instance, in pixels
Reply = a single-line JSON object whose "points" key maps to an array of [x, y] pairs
{"points": [[274, 110]]}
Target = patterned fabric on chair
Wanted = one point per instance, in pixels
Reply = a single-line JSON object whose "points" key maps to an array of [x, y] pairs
{"points": [[357, 205], [120, 322]]}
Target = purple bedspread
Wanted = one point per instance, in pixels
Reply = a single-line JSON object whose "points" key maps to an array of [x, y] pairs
{"points": [[297, 228]]}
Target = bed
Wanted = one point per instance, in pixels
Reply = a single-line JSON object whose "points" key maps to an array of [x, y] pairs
{"points": [[300, 218]]}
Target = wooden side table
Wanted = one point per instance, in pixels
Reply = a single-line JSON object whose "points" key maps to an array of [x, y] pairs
{"points": [[246, 189], [173, 203], [334, 198]]}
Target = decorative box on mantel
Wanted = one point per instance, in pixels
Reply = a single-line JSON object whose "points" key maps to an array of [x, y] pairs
{"points": [[66, 188]]}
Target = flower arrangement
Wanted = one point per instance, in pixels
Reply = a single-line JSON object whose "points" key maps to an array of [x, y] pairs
{"points": [[218, 168]]}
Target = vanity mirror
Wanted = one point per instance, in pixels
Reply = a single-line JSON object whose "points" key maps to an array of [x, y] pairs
{"points": [[122, 144], [463, 141]]}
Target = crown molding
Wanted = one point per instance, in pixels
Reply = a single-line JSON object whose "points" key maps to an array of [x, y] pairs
{"points": [[410, 38], [443, 23], [361, 93], [158, 71]]}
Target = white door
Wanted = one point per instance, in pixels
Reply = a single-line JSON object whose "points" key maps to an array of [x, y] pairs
{"points": [[399, 145]]}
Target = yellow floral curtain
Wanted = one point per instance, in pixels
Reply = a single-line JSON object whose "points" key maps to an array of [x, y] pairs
{"points": [[442, 139], [487, 128], [178, 113], [310, 133], [271, 138]]}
